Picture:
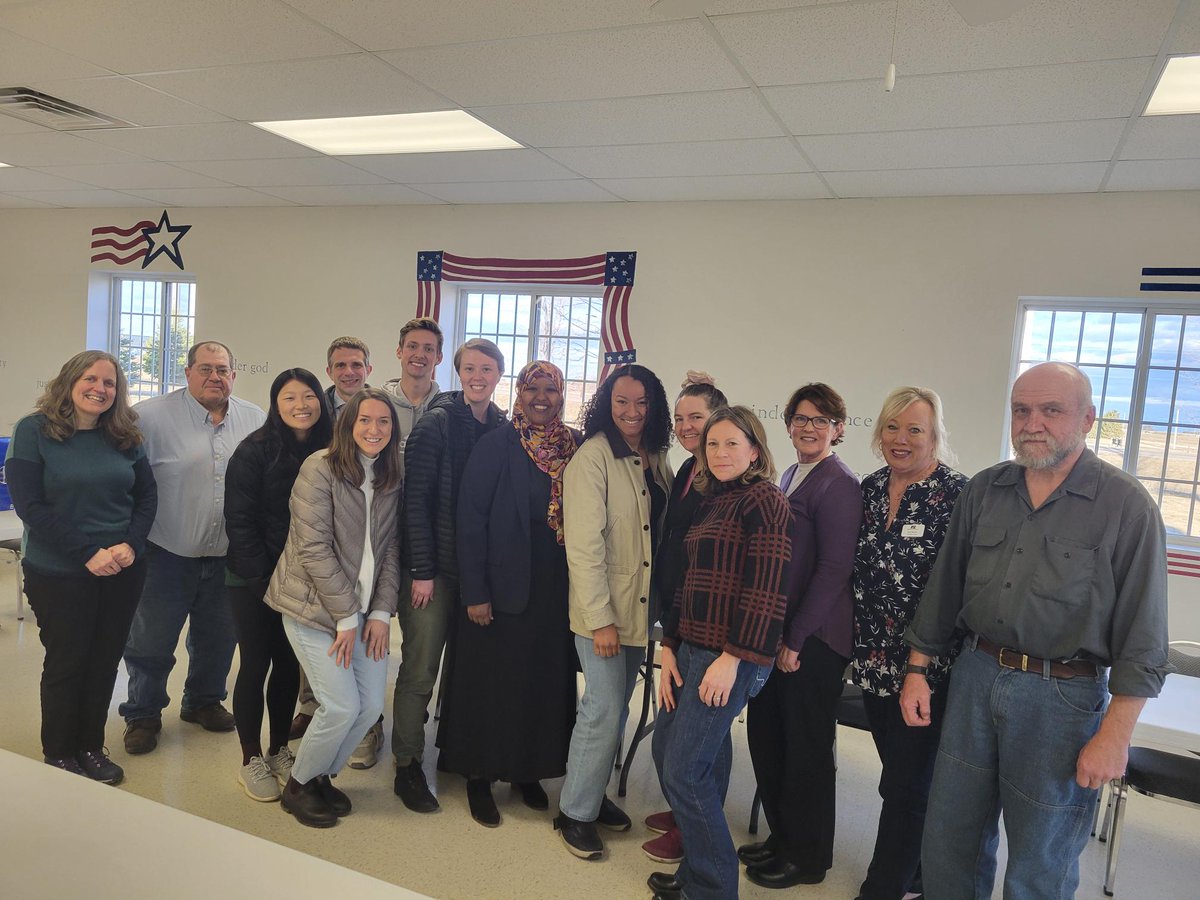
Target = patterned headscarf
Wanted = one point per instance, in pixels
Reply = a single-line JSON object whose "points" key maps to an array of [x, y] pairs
{"points": [[549, 446]]}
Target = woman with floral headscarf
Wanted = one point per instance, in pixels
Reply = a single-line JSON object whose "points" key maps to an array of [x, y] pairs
{"points": [[509, 703]]}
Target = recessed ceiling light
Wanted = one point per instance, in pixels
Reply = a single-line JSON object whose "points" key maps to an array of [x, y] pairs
{"points": [[430, 132], [4, 165], [1178, 89]]}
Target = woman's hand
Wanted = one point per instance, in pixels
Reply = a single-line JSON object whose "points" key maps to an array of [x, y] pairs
{"points": [[342, 649], [605, 641], [788, 659], [422, 592], [718, 680], [375, 636], [103, 563], [123, 554], [669, 674], [480, 613]]}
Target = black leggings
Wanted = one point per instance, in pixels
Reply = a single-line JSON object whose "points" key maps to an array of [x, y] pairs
{"points": [[263, 646]]}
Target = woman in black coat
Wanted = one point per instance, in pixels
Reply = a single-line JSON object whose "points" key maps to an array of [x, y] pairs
{"points": [[509, 705], [258, 484]]}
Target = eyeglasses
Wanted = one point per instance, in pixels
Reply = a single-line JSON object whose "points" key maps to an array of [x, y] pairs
{"points": [[207, 371], [820, 423]]}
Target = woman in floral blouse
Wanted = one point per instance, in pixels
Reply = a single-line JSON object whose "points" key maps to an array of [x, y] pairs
{"points": [[907, 506]]}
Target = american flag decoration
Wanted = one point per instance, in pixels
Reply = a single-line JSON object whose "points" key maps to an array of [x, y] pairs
{"points": [[144, 240], [1191, 285], [613, 269]]}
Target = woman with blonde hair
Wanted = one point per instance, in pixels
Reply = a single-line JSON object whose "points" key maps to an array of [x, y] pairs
{"points": [[81, 484]]}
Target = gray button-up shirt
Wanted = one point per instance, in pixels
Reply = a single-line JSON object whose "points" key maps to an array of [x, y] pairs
{"points": [[1083, 575], [189, 455]]}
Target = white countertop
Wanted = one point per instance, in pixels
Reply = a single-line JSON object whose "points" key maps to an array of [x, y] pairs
{"points": [[10, 525]]}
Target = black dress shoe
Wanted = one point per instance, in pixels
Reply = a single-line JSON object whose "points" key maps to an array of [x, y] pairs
{"points": [[756, 854], [483, 805], [581, 838], [304, 801], [664, 882], [533, 796], [412, 788], [613, 817], [779, 873], [337, 800]]}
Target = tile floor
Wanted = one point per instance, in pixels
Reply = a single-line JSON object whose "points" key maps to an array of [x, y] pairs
{"points": [[448, 855]]}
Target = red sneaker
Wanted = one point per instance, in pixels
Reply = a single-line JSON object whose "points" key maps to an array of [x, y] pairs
{"points": [[661, 823], [666, 848]]}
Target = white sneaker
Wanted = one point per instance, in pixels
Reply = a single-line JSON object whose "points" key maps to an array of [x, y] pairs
{"points": [[366, 754], [258, 781], [281, 764]]}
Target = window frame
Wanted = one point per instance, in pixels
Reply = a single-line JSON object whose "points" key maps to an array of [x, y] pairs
{"points": [[168, 317]]}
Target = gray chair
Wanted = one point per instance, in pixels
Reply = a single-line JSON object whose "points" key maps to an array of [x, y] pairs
{"points": [[13, 546], [1153, 773]]}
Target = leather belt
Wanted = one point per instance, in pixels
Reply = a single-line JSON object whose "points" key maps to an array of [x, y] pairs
{"points": [[1015, 659]]}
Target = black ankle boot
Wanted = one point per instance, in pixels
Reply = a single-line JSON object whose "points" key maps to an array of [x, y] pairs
{"points": [[483, 805], [337, 800], [304, 801]]}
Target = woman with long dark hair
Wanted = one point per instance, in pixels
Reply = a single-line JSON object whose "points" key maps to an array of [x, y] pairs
{"points": [[258, 485], [82, 486]]}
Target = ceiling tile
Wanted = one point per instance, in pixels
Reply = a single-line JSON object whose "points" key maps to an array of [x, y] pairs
{"points": [[1156, 175], [126, 99], [962, 147], [1187, 30], [350, 195], [518, 192], [222, 196], [379, 25], [1161, 137], [683, 159], [355, 84], [292, 172], [625, 62], [719, 187], [130, 36], [11, 125], [23, 60], [467, 165], [82, 197], [180, 143], [131, 176], [8, 200], [20, 179], [710, 116], [1090, 90], [1050, 179], [55, 148]]}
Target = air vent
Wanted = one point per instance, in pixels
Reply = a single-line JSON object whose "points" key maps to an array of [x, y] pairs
{"points": [[51, 112]]}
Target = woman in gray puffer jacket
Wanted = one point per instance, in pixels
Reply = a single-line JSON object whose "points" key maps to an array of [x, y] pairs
{"points": [[336, 586]]}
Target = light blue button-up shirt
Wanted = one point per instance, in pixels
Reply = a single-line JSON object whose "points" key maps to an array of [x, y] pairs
{"points": [[189, 455]]}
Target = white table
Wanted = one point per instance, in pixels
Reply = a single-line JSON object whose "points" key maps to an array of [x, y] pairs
{"points": [[1172, 720], [10, 525], [66, 836]]}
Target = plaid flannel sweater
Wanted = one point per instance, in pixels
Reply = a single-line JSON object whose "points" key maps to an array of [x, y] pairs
{"points": [[733, 594]]}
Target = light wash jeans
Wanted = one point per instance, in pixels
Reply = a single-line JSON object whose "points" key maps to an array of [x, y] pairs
{"points": [[603, 709], [350, 700], [1009, 744]]}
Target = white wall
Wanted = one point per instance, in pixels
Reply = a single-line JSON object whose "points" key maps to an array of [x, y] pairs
{"points": [[865, 295]]}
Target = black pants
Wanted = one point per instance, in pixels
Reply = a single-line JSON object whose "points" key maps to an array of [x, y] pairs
{"points": [[791, 728], [83, 622], [907, 755], [263, 648]]}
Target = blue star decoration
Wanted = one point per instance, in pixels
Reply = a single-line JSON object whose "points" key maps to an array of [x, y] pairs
{"points": [[619, 266], [164, 239], [429, 265], [618, 357]]}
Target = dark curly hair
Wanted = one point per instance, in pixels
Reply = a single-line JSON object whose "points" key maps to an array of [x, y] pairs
{"points": [[597, 414]]}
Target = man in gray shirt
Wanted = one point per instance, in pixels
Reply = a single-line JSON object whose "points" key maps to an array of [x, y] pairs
{"points": [[190, 434], [1054, 569]]}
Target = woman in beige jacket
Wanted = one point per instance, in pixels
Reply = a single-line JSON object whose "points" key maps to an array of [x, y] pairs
{"points": [[615, 494], [337, 585]]}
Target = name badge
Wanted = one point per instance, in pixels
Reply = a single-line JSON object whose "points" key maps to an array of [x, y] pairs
{"points": [[912, 530]]}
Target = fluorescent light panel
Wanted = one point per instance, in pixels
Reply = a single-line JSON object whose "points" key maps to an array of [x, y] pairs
{"points": [[3, 165], [429, 132], [1178, 89]]}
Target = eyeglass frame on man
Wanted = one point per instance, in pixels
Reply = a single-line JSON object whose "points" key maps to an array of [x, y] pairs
{"points": [[207, 371], [799, 421]]}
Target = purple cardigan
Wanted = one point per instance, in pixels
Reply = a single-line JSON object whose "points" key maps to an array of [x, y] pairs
{"points": [[828, 510]]}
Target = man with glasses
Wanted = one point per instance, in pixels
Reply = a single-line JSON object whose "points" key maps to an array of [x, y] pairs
{"points": [[190, 434]]}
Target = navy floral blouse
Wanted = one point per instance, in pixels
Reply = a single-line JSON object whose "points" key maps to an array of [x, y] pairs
{"points": [[891, 568]]}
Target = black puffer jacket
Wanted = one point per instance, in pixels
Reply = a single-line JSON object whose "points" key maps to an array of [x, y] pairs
{"points": [[434, 459], [258, 484]]}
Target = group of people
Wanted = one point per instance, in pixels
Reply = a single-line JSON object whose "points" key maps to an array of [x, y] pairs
{"points": [[986, 621]]}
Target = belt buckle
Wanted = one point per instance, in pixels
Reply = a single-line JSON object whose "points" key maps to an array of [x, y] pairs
{"points": [[1023, 666]]}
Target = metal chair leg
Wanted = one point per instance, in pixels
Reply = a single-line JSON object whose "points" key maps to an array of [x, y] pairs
{"points": [[1114, 837], [1108, 811], [1096, 811]]}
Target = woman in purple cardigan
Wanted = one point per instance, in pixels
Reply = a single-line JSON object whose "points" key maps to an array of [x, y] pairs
{"points": [[792, 722]]}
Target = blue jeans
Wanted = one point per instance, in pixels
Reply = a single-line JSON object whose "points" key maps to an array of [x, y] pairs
{"points": [[179, 589], [603, 708], [351, 700], [696, 753], [1009, 743]]}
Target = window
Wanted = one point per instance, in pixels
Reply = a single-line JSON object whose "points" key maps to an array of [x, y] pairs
{"points": [[153, 325], [1144, 363], [563, 328]]}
